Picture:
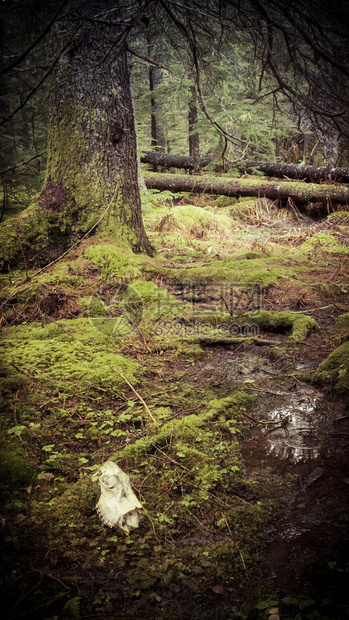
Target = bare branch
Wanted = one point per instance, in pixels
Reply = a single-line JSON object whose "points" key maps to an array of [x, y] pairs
{"points": [[146, 59], [20, 165]]}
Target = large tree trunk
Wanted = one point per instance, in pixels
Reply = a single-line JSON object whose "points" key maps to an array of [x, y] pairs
{"points": [[293, 171], [300, 193], [92, 154]]}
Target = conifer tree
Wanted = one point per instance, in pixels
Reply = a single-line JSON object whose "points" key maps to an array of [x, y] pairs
{"points": [[92, 163]]}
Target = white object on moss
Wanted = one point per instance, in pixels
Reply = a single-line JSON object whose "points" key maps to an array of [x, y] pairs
{"points": [[117, 505]]}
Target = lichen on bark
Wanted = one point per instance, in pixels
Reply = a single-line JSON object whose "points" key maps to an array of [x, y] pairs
{"points": [[92, 138]]}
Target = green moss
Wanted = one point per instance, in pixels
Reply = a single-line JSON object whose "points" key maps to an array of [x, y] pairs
{"points": [[334, 370], [301, 324], [187, 220], [114, 262], [231, 406], [17, 470], [262, 271], [343, 319], [68, 355], [144, 292], [339, 217], [189, 429], [95, 307], [323, 242], [29, 229], [224, 201], [210, 317], [150, 304], [277, 354], [244, 210]]}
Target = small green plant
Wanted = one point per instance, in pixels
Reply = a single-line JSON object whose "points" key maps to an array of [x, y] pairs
{"points": [[73, 607]]}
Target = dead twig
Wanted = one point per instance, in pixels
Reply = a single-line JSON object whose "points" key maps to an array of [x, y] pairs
{"points": [[172, 460], [265, 421], [136, 393], [266, 391]]}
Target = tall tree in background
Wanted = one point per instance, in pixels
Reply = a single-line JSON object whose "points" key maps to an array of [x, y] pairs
{"points": [[158, 141], [194, 136]]}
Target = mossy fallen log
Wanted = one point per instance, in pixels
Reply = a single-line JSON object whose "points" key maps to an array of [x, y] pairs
{"points": [[172, 161], [299, 193], [315, 174]]}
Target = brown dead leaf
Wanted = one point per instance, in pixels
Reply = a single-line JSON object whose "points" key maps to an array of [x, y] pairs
{"points": [[217, 589]]}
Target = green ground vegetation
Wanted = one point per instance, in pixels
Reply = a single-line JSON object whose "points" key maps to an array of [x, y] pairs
{"points": [[102, 338], [334, 370]]}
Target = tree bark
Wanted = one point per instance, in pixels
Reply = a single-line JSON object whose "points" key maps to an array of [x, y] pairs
{"points": [[172, 161], [299, 193], [92, 152], [314, 174], [194, 139], [155, 75]]}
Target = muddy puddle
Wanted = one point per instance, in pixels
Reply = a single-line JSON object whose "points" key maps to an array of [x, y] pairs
{"points": [[302, 429], [306, 438]]}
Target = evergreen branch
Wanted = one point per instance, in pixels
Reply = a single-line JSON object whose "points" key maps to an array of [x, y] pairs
{"points": [[22, 163], [312, 44], [289, 91], [38, 86], [181, 27], [219, 127], [35, 43]]}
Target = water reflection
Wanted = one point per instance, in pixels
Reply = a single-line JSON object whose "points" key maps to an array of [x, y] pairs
{"points": [[297, 438]]}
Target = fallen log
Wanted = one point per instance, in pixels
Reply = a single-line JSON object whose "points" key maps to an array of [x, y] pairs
{"points": [[172, 161], [227, 342], [299, 193], [314, 174]]}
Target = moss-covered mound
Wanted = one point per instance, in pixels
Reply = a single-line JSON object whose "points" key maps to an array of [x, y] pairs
{"points": [[276, 321], [189, 220], [334, 370]]}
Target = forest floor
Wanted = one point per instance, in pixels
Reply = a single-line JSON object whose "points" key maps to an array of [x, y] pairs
{"points": [[216, 375]]}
